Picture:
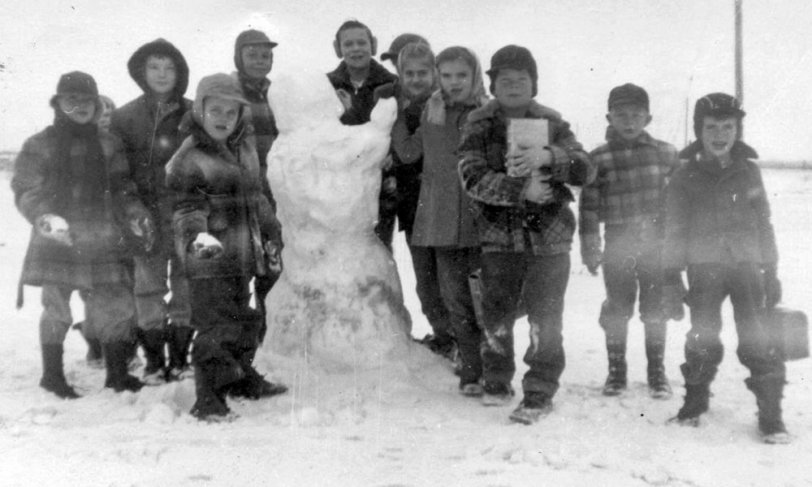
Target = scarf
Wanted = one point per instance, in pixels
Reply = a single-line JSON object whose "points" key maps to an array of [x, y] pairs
{"points": [[79, 180]]}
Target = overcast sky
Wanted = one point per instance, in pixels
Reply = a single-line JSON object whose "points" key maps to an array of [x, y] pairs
{"points": [[677, 49]]}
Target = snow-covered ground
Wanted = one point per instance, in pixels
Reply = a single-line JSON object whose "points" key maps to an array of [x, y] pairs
{"points": [[408, 426]]}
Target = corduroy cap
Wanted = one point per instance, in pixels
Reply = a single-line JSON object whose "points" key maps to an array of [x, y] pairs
{"points": [[628, 94], [399, 43]]}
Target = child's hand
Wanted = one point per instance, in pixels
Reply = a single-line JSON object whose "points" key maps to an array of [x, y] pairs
{"points": [[523, 160], [55, 228], [346, 98], [143, 228], [206, 246], [538, 190]]}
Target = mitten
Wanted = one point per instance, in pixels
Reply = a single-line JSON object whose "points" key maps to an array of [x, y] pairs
{"points": [[206, 246], [673, 295], [273, 256], [144, 230], [55, 228], [772, 286]]}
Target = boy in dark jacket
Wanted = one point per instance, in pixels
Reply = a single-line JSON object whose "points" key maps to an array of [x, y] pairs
{"points": [[628, 196], [253, 58], [223, 225], [718, 227], [148, 126], [525, 228], [72, 182], [355, 80]]}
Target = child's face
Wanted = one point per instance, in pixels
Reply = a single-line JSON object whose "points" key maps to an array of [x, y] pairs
{"points": [[104, 119], [356, 47], [416, 78], [257, 60], [79, 108], [718, 135], [220, 117], [456, 80], [628, 120], [513, 88], [161, 74]]}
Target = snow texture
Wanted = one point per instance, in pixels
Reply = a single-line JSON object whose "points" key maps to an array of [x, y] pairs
{"points": [[370, 427]]}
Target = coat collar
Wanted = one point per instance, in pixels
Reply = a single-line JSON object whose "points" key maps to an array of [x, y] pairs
{"points": [[492, 109], [378, 75]]}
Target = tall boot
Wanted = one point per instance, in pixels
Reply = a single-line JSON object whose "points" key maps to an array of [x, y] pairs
{"points": [[697, 399], [53, 375], [118, 378], [152, 341], [769, 390], [179, 340], [616, 351], [658, 386]]}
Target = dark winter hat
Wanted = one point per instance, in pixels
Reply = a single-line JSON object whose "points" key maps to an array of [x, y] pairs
{"points": [[399, 43], [247, 37], [218, 85], [717, 105], [75, 83], [628, 94], [513, 57], [161, 48]]}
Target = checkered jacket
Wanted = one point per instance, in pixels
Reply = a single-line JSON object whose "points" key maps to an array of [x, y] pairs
{"points": [[505, 221], [628, 194]]}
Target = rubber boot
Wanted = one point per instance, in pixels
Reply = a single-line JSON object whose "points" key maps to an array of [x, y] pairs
{"points": [[658, 386], [769, 391], [152, 341], [53, 375], [616, 352], [208, 403], [116, 355]]}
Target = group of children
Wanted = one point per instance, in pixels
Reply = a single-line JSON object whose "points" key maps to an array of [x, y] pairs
{"points": [[181, 186]]}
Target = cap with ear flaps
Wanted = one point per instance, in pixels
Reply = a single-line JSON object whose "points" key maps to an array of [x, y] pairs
{"points": [[717, 105], [75, 83], [628, 94], [246, 38], [399, 43], [219, 85]]}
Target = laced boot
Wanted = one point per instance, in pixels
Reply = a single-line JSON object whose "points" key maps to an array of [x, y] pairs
{"points": [[616, 380], [658, 386], [769, 391]]}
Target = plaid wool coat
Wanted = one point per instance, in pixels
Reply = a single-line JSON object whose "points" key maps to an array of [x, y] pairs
{"points": [[505, 221]]}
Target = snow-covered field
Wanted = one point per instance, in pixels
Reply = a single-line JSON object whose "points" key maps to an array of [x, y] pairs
{"points": [[405, 426]]}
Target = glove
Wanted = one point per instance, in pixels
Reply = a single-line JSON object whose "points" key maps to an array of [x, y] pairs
{"points": [[143, 229], [772, 286], [205, 246], [273, 257], [673, 295], [54, 227], [592, 260]]}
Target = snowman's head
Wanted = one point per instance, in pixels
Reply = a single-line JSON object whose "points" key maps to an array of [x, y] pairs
{"points": [[306, 99]]}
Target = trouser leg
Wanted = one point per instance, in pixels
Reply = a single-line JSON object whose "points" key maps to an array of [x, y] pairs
{"points": [[502, 278], [424, 262]]}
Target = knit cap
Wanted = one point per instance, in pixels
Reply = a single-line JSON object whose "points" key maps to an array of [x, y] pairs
{"points": [[717, 105], [399, 43], [513, 57], [218, 85], [628, 94], [248, 37], [75, 83]]}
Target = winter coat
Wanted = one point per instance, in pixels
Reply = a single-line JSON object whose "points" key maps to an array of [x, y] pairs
{"points": [[628, 194], [262, 119], [445, 213], [150, 133], [219, 192], [505, 221], [100, 253], [363, 99], [718, 215]]}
